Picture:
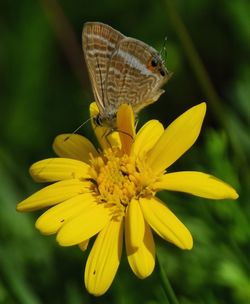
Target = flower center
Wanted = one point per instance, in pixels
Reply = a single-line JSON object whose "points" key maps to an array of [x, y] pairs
{"points": [[118, 178]]}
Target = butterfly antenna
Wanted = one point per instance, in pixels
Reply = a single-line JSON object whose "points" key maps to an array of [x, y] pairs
{"points": [[78, 128], [81, 125]]}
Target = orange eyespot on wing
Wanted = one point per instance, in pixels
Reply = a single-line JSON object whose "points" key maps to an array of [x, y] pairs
{"points": [[121, 69]]}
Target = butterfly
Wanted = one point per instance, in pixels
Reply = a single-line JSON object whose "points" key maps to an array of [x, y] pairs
{"points": [[121, 70]]}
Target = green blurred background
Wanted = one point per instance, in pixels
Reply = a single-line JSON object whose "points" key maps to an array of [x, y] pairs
{"points": [[45, 91]]}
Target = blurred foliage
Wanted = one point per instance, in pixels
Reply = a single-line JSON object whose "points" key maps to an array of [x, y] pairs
{"points": [[45, 91]]}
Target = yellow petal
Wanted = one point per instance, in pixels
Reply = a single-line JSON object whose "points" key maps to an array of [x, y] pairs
{"points": [[165, 223], [104, 259], [106, 136], [53, 194], [146, 138], [126, 127], [93, 109], [142, 259], [55, 169], [134, 224], [74, 146], [197, 183], [84, 245], [84, 226], [177, 138], [54, 218]]}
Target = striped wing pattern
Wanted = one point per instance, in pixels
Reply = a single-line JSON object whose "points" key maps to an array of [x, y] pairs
{"points": [[99, 42], [121, 69], [129, 79]]}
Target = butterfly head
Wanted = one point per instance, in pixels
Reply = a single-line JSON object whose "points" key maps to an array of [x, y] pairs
{"points": [[122, 70], [108, 121]]}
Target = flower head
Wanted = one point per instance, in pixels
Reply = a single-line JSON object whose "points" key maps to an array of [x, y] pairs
{"points": [[111, 192]]}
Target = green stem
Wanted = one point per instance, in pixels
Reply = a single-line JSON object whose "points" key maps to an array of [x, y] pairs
{"points": [[168, 290]]}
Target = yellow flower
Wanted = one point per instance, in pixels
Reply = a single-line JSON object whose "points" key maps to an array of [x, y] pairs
{"points": [[111, 192]]}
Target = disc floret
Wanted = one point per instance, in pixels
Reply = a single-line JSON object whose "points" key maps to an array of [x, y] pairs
{"points": [[119, 177]]}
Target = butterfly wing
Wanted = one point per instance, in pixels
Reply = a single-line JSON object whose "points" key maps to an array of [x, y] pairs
{"points": [[131, 78], [99, 42]]}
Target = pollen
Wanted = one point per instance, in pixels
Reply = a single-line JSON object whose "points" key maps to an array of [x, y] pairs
{"points": [[118, 178]]}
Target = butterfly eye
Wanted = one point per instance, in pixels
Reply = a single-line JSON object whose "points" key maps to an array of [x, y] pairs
{"points": [[154, 62], [98, 120]]}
